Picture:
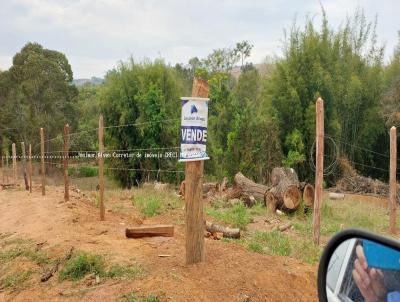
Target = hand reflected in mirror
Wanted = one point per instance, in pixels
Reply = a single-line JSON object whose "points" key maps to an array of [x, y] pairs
{"points": [[361, 270], [370, 282]]}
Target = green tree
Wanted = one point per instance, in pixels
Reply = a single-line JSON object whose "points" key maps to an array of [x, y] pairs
{"points": [[344, 67], [36, 92], [243, 50], [391, 97], [140, 101]]}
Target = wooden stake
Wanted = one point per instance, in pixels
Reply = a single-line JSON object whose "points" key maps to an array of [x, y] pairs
{"points": [[14, 163], [194, 196], [65, 162], [2, 169], [42, 161], [30, 168], [392, 179], [319, 169], [8, 167], [101, 168], [24, 166]]}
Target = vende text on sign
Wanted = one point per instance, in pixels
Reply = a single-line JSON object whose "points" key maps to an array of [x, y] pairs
{"points": [[194, 128]]}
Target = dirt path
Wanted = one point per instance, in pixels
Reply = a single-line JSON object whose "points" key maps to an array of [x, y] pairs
{"points": [[230, 273]]}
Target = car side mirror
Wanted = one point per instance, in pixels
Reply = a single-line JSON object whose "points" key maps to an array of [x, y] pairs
{"points": [[358, 266]]}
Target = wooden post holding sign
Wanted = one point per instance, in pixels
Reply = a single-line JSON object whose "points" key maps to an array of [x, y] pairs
{"points": [[193, 152], [24, 166], [42, 161], [101, 167], [14, 163], [65, 162], [30, 168], [392, 179], [319, 169]]}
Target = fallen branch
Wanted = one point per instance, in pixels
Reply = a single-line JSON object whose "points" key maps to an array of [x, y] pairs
{"points": [[227, 232], [49, 273]]}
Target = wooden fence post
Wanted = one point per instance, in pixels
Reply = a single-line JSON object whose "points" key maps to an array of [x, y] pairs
{"points": [[319, 169], [2, 169], [392, 179], [8, 167], [65, 162], [101, 167], [42, 161], [24, 166], [30, 168], [14, 163], [194, 196]]}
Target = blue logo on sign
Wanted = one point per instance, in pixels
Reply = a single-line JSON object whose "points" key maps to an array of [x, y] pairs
{"points": [[193, 109]]}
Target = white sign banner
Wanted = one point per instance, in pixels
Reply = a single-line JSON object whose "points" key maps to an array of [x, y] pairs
{"points": [[194, 129]]}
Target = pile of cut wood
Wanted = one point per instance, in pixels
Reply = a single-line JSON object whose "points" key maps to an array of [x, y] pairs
{"points": [[364, 185], [284, 193]]}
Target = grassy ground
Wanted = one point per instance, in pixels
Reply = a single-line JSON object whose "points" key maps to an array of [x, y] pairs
{"points": [[257, 236], [151, 202], [296, 243], [81, 265]]}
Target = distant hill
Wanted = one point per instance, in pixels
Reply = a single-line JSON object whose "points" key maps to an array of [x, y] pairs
{"points": [[92, 81]]}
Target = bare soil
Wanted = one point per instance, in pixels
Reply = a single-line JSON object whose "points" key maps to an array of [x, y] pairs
{"points": [[229, 272]]}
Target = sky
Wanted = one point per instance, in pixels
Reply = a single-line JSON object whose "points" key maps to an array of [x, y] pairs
{"points": [[96, 35]]}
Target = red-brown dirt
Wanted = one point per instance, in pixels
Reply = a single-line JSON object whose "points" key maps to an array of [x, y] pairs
{"points": [[229, 272]]}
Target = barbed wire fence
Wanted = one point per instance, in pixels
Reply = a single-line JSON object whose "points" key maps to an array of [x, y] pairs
{"points": [[334, 160], [119, 160]]}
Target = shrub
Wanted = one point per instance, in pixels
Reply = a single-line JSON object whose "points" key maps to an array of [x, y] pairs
{"points": [[88, 171], [83, 171], [81, 264], [149, 206]]}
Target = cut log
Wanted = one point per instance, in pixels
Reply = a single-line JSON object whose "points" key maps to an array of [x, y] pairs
{"points": [[232, 193], [308, 195], [336, 196], [164, 230], [285, 197], [278, 174], [227, 232], [249, 187], [284, 193]]}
